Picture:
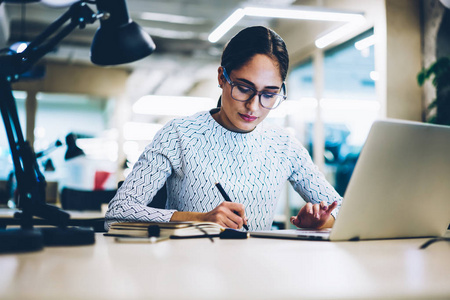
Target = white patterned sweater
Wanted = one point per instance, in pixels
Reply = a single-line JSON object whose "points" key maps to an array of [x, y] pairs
{"points": [[191, 154]]}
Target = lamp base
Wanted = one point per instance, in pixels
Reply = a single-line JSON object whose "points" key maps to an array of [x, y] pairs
{"points": [[27, 240], [70, 236], [20, 240]]}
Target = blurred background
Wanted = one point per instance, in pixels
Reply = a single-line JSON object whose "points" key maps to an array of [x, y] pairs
{"points": [[345, 73]]}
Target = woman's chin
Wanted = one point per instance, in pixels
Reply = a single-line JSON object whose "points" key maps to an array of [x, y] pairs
{"points": [[245, 127]]}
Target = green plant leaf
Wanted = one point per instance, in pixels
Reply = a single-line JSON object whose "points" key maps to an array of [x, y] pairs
{"points": [[421, 77], [432, 105], [439, 73]]}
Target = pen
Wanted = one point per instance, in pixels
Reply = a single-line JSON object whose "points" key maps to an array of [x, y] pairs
{"points": [[226, 197]]}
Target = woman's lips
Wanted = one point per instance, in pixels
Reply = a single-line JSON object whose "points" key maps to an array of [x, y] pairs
{"points": [[248, 118]]}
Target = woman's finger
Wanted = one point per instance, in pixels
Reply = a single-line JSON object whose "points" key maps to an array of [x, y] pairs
{"points": [[332, 207], [316, 211], [309, 208], [229, 223]]}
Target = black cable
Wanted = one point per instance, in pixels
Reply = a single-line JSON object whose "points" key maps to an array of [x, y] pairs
{"points": [[434, 240], [204, 232]]}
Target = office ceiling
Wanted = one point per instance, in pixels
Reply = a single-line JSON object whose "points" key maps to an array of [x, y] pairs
{"points": [[179, 28]]}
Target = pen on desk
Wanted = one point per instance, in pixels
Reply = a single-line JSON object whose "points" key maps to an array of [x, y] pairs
{"points": [[226, 197]]}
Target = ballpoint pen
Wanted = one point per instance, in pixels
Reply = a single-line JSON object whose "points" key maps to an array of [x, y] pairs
{"points": [[226, 197]]}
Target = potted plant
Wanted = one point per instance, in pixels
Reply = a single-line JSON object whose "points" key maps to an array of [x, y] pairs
{"points": [[440, 70]]}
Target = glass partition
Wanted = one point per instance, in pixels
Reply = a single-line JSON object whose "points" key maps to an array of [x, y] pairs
{"points": [[347, 109]]}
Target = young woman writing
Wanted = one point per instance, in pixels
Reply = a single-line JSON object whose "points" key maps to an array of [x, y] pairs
{"points": [[230, 145]]}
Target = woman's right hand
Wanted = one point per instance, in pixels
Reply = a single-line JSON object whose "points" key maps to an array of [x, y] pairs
{"points": [[227, 214]]}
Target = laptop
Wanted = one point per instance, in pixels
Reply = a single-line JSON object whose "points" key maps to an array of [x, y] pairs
{"points": [[400, 187]]}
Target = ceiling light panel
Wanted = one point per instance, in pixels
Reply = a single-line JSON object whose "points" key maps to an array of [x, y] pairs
{"points": [[352, 20], [169, 18]]}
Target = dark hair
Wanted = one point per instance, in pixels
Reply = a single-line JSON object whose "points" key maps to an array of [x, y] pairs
{"points": [[251, 41]]}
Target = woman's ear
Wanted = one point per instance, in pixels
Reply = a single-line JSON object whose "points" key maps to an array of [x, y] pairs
{"points": [[220, 77]]}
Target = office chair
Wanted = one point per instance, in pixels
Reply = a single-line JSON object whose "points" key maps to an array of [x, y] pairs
{"points": [[72, 199]]}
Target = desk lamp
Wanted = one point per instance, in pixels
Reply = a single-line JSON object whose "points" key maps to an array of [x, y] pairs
{"points": [[118, 40], [72, 149]]}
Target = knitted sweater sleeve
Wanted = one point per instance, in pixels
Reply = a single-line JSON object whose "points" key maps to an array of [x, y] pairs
{"points": [[308, 181], [159, 159]]}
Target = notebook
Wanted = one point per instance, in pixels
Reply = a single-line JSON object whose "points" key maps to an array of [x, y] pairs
{"points": [[400, 187], [164, 229]]}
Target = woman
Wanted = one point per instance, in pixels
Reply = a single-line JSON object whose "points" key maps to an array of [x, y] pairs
{"points": [[230, 145]]}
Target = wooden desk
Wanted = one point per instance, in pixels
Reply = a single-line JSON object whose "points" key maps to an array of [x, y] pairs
{"points": [[230, 269]]}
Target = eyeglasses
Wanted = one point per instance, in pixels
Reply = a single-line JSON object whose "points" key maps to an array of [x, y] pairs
{"points": [[243, 93]]}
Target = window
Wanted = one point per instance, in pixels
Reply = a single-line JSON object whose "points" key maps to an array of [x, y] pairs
{"points": [[347, 109]]}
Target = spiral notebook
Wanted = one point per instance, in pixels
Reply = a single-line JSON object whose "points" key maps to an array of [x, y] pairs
{"points": [[164, 229]]}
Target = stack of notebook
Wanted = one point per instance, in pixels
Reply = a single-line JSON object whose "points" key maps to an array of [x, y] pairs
{"points": [[165, 229]]}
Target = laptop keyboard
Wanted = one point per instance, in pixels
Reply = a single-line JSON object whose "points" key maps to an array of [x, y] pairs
{"points": [[313, 232]]}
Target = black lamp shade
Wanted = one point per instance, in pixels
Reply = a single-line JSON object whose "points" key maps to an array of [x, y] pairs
{"points": [[72, 149], [122, 45], [119, 40], [49, 166]]}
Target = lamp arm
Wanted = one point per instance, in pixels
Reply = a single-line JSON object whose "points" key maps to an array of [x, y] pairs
{"points": [[79, 15], [30, 181], [50, 149]]}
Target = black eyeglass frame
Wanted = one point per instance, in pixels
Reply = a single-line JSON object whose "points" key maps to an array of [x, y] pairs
{"points": [[255, 92]]}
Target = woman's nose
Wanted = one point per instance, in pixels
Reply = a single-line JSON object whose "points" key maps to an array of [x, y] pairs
{"points": [[253, 103]]}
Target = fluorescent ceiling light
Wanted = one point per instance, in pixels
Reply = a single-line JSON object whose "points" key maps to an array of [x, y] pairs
{"points": [[300, 14], [365, 43], [58, 3], [135, 131], [374, 75], [20, 95], [100, 149], [172, 105], [169, 18], [174, 34], [349, 105], [304, 106], [291, 13], [226, 25], [338, 33]]}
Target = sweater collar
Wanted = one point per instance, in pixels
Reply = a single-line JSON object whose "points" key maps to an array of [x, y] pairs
{"points": [[226, 131]]}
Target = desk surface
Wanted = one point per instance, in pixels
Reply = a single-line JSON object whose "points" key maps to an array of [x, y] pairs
{"points": [[229, 269]]}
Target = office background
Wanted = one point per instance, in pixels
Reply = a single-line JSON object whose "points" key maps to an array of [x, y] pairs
{"points": [[334, 92]]}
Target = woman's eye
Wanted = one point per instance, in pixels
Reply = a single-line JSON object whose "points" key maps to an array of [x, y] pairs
{"points": [[268, 95], [244, 89]]}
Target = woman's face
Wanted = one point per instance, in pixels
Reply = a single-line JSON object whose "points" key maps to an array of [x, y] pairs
{"points": [[261, 73]]}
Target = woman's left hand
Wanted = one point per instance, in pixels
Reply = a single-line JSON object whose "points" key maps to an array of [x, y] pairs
{"points": [[315, 215]]}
